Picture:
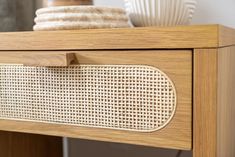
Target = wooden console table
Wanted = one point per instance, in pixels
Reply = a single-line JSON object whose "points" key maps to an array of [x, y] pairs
{"points": [[200, 60]]}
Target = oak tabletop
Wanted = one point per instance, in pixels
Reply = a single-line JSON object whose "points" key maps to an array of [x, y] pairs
{"points": [[180, 37]]}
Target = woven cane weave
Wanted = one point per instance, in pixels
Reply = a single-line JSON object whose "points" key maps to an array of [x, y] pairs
{"points": [[81, 9], [125, 97]]}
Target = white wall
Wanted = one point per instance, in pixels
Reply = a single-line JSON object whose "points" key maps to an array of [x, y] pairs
{"points": [[216, 11], [208, 11]]}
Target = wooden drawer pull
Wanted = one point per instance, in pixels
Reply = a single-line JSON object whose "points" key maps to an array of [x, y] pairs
{"points": [[42, 59]]}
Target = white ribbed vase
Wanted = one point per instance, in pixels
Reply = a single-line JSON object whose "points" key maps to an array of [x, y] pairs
{"points": [[160, 12]]}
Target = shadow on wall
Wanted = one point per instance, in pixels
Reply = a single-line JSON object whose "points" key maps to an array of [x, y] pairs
{"points": [[87, 148], [7, 15], [16, 15]]}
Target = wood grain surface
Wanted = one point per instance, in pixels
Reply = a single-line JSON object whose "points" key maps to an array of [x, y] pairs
{"points": [[207, 36], [214, 109], [226, 103], [204, 102], [28, 145], [38, 58], [177, 134], [226, 36]]}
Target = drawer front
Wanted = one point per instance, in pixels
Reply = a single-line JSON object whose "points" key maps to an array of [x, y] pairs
{"points": [[122, 97], [138, 97]]}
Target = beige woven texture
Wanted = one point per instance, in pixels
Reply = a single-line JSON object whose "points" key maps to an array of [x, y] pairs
{"points": [[81, 9], [52, 26], [123, 97], [80, 17]]}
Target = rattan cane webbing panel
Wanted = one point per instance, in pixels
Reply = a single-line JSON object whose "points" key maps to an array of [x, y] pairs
{"points": [[124, 97]]}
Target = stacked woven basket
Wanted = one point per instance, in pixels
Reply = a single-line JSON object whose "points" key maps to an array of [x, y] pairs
{"points": [[79, 17], [141, 13]]}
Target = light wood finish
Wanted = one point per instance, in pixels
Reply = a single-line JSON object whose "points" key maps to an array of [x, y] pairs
{"points": [[226, 36], [28, 145], [213, 80], [177, 134], [42, 58], [207, 36], [205, 100], [50, 3], [226, 103], [214, 109]]}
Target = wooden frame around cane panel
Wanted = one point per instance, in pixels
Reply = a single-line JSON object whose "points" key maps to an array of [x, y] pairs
{"points": [[176, 134]]}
